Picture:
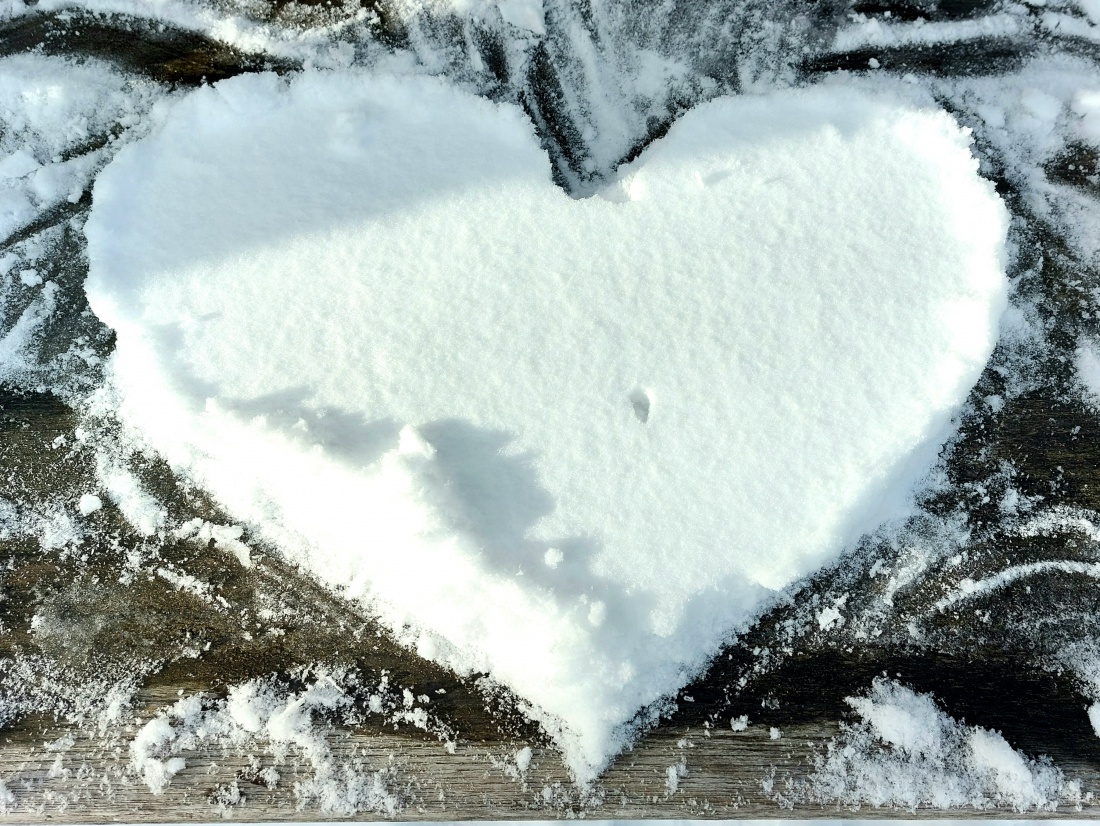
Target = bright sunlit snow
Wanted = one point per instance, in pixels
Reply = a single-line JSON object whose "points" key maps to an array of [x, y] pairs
{"points": [[572, 443]]}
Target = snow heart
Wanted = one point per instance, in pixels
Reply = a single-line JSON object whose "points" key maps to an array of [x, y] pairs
{"points": [[573, 443]]}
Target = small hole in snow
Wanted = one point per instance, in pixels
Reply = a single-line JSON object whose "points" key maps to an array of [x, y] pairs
{"points": [[639, 400]]}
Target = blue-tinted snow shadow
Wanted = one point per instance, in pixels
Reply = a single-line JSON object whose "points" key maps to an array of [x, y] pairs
{"points": [[483, 488], [348, 438], [494, 496]]}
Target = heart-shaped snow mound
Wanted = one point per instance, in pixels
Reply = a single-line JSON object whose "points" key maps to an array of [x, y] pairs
{"points": [[573, 443]]}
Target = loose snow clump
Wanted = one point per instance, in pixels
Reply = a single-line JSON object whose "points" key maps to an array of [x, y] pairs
{"points": [[258, 713], [906, 752]]}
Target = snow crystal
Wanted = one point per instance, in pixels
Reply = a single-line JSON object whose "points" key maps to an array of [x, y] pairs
{"points": [[152, 740], [224, 537], [357, 311], [185, 582], [58, 530], [831, 615], [672, 779]]}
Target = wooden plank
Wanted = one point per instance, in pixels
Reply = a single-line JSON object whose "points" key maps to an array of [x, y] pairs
{"points": [[72, 626], [728, 775]]}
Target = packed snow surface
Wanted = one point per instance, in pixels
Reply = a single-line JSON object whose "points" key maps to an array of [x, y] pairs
{"points": [[572, 443]]}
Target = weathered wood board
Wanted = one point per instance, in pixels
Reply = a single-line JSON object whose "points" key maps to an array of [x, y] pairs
{"points": [[75, 626]]}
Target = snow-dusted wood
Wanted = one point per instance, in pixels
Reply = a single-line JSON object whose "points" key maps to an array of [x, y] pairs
{"points": [[67, 623]]}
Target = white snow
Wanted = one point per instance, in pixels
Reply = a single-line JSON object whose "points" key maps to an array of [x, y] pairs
{"points": [[358, 312], [869, 32], [523, 759], [524, 14], [1086, 105], [50, 106], [1088, 369], [1094, 718], [89, 503], [1029, 117], [137, 505], [969, 588], [528, 14], [258, 713], [1068, 25], [906, 752], [1091, 8], [16, 342]]}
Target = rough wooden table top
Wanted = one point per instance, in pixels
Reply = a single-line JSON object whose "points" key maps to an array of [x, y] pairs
{"points": [[99, 638]]}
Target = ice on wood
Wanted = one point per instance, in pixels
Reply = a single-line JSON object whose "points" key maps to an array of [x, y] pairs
{"points": [[358, 311]]}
